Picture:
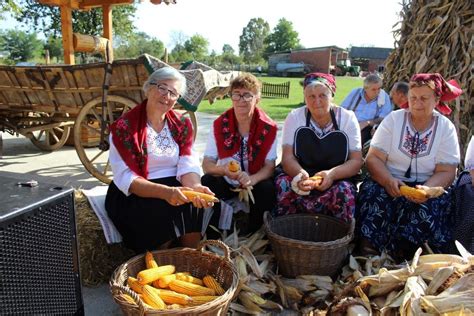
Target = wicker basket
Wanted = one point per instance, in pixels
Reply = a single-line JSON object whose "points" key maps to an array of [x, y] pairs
{"points": [[308, 243], [195, 261]]}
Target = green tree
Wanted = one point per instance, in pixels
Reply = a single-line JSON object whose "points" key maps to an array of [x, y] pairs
{"points": [[180, 54], [21, 46], [8, 6], [228, 57], [197, 46], [47, 19], [283, 37], [227, 49], [252, 40], [55, 47], [138, 44]]}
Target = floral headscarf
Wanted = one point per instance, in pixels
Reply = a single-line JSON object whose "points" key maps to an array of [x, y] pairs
{"points": [[326, 79], [445, 90]]}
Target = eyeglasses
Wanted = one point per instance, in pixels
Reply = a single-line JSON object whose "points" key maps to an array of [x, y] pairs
{"points": [[246, 96], [164, 91]]}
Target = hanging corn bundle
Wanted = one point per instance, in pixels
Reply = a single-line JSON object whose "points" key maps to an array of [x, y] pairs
{"points": [[437, 36]]}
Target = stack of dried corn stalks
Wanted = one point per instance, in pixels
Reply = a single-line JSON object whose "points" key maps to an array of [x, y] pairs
{"points": [[366, 285], [437, 36]]}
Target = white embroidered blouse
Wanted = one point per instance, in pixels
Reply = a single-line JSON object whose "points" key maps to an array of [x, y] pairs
{"points": [[406, 147], [163, 160]]}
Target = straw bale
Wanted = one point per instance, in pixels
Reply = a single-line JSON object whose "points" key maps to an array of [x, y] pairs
{"points": [[97, 259], [437, 36]]}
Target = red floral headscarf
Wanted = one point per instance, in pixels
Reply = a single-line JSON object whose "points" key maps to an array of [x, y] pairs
{"points": [[445, 90], [326, 79], [129, 136]]}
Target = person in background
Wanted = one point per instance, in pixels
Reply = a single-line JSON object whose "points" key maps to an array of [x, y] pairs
{"points": [[319, 139], [463, 202], [399, 93], [414, 146], [370, 105], [153, 161], [245, 135]]}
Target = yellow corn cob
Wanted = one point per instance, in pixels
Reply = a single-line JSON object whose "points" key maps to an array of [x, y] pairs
{"points": [[233, 166], [143, 301], [150, 261], [164, 281], [211, 283], [188, 278], [199, 300], [150, 275], [407, 191], [317, 179], [206, 197], [171, 297], [190, 288], [151, 297], [135, 285]]}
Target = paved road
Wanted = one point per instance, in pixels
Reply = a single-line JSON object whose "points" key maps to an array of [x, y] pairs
{"points": [[23, 161]]}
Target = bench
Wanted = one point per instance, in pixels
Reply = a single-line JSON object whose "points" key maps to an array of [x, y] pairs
{"points": [[276, 90]]}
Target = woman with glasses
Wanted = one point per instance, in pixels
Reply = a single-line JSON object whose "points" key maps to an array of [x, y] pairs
{"points": [[321, 151], [413, 146], [152, 160], [245, 135]]}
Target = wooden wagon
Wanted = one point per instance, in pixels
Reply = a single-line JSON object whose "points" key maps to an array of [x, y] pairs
{"points": [[47, 103]]}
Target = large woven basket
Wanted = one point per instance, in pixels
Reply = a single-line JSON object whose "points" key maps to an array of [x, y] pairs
{"points": [[195, 261], [308, 243]]}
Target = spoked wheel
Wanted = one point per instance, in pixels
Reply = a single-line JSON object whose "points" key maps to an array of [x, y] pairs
{"points": [[53, 138], [87, 129]]}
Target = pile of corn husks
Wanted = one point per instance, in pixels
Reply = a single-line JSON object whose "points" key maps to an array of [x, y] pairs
{"points": [[437, 36], [434, 284]]}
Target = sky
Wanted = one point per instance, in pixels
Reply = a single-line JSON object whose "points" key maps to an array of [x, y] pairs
{"points": [[318, 22]]}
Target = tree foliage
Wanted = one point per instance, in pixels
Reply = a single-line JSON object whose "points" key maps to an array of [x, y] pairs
{"points": [[47, 19], [252, 40], [138, 44], [283, 37], [21, 46], [10, 6], [194, 48], [55, 47]]}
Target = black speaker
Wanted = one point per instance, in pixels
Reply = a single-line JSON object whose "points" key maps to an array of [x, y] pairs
{"points": [[39, 264]]}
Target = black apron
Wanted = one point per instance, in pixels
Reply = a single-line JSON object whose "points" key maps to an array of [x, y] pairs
{"points": [[316, 153]]}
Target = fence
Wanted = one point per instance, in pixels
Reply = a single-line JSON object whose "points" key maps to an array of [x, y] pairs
{"points": [[276, 90]]}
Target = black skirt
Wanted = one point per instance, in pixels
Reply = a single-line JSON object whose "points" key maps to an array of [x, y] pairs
{"points": [[146, 223]]}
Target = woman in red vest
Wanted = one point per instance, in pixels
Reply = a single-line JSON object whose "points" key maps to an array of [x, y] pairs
{"points": [[152, 160], [245, 135]]}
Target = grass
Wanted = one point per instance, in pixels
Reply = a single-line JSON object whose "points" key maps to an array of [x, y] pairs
{"points": [[279, 108]]}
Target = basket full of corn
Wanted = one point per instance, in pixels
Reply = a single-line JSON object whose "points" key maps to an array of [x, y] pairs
{"points": [[308, 243], [180, 281]]}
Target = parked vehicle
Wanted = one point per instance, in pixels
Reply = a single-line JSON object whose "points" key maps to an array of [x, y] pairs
{"points": [[285, 69], [343, 67]]}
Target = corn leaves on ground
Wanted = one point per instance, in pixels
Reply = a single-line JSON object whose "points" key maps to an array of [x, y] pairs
{"points": [[433, 284]]}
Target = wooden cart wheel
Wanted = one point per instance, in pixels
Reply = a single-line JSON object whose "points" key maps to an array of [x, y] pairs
{"points": [[87, 133], [95, 160], [52, 138]]}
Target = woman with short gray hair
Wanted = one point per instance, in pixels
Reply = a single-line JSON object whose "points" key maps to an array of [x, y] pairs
{"points": [[370, 105], [152, 159]]}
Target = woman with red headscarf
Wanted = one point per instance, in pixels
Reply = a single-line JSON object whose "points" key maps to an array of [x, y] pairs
{"points": [[323, 140], [413, 146]]}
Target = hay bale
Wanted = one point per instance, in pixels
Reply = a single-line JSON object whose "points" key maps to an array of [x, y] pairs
{"points": [[437, 36], [97, 259]]}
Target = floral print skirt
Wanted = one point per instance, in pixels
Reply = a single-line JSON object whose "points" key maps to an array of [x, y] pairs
{"points": [[337, 201], [390, 223]]}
